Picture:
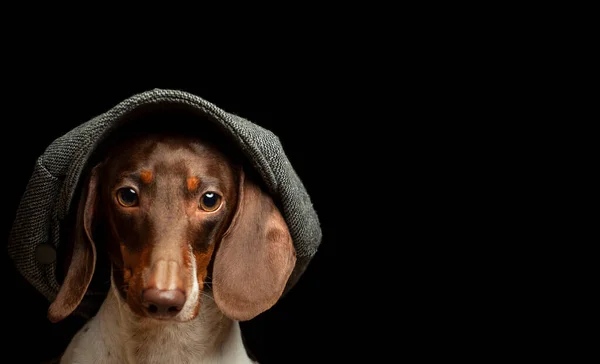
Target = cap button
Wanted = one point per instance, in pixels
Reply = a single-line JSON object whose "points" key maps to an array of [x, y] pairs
{"points": [[45, 253]]}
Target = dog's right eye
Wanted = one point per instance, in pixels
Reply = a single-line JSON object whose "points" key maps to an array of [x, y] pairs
{"points": [[127, 197]]}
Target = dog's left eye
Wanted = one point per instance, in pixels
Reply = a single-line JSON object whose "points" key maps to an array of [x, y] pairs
{"points": [[127, 197], [210, 201]]}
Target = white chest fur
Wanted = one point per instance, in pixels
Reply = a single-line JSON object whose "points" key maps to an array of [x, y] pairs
{"points": [[115, 335]]}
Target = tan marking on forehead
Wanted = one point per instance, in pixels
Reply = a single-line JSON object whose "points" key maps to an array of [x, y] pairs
{"points": [[146, 176], [193, 183]]}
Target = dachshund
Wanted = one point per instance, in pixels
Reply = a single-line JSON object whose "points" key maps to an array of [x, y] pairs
{"points": [[195, 246]]}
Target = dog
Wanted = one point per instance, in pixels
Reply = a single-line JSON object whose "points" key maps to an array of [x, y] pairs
{"points": [[195, 246]]}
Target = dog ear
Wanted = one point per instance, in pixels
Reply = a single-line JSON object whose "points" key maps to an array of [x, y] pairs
{"points": [[255, 257], [83, 260]]}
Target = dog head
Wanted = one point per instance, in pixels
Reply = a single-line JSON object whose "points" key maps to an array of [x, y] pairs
{"points": [[178, 213]]}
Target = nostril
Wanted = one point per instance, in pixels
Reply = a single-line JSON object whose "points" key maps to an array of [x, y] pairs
{"points": [[163, 302]]}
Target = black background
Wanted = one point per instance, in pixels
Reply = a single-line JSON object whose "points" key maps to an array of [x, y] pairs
{"points": [[303, 108], [389, 129], [391, 149]]}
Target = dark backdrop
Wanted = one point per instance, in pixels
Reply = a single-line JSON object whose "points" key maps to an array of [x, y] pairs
{"points": [[298, 106]]}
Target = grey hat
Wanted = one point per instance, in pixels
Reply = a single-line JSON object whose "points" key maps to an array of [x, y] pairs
{"points": [[37, 231]]}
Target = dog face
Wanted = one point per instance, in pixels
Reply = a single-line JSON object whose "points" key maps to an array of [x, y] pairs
{"points": [[179, 212], [167, 202]]}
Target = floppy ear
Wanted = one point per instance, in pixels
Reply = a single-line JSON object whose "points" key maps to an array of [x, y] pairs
{"points": [[83, 260], [255, 257]]}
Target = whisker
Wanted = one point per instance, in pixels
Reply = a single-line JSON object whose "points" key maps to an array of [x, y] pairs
{"points": [[202, 294]]}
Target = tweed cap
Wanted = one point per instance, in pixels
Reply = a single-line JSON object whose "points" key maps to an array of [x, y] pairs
{"points": [[37, 232]]}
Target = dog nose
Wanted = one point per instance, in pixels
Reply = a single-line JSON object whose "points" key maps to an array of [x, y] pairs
{"points": [[163, 303]]}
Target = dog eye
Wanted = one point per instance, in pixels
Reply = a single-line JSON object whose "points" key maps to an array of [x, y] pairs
{"points": [[127, 197], [210, 201]]}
